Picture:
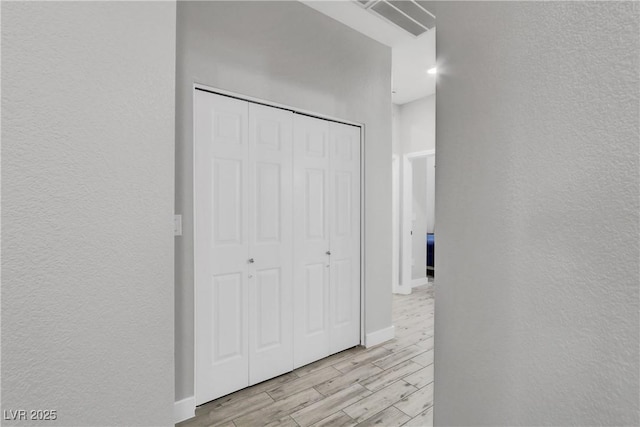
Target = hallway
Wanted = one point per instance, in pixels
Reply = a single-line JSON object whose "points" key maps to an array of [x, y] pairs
{"points": [[390, 384]]}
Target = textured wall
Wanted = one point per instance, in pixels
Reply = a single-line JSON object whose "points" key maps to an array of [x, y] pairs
{"points": [[289, 53], [537, 213], [87, 204]]}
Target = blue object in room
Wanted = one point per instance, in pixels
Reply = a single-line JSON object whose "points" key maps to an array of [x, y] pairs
{"points": [[430, 249]]}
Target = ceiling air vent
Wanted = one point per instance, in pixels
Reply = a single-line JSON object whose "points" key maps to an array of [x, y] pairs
{"points": [[410, 15]]}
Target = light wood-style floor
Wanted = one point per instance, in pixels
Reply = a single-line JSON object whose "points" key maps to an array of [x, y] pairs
{"points": [[387, 385]]}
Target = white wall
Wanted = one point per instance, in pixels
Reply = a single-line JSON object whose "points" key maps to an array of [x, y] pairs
{"points": [[87, 205], [289, 53], [395, 129], [537, 317], [417, 123]]}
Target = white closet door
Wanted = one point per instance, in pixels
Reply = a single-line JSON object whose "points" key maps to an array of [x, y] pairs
{"points": [[345, 236], [221, 245], [311, 242], [270, 242]]}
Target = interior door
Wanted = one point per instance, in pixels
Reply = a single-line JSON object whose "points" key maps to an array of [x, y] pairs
{"points": [[407, 224], [419, 222], [311, 242], [270, 242], [344, 236], [431, 192], [221, 245]]}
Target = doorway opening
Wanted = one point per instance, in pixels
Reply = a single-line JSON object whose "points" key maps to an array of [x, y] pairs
{"points": [[418, 220]]}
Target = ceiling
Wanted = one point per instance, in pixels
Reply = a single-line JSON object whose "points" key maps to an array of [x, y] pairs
{"points": [[411, 56]]}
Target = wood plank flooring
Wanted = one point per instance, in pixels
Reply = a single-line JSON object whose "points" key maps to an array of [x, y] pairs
{"points": [[387, 385]]}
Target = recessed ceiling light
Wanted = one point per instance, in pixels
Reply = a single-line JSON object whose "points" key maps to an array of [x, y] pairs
{"points": [[433, 70]]}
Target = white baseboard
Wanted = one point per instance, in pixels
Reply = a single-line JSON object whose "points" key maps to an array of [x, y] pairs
{"points": [[394, 286], [402, 290], [184, 409], [419, 282], [378, 337]]}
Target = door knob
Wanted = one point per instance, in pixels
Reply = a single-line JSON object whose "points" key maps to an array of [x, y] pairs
{"points": [[251, 261], [328, 252]]}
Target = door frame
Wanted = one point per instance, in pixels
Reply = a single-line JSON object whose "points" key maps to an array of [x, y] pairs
{"points": [[406, 250], [395, 223], [243, 97]]}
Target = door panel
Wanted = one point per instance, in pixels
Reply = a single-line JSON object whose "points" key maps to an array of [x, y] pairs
{"points": [[311, 243], [343, 205], [227, 203], [227, 306], [221, 246], [270, 242], [343, 271], [268, 202], [269, 296], [314, 284], [314, 214], [345, 236]]}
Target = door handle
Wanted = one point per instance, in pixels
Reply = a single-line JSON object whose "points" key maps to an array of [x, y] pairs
{"points": [[251, 261], [328, 252]]}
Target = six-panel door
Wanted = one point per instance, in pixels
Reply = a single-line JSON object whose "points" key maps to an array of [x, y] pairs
{"points": [[221, 243], [344, 315], [327, 238], [276, 239], [311, 262], [270, 242]]}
